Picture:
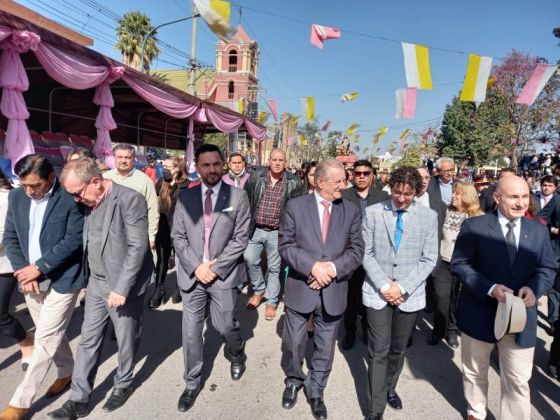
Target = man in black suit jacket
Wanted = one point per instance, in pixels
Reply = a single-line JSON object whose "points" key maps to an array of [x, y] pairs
{"points": [[441, 185], [487, 203], [499, 253], [320, 239], [43, 240], [362, 194]]}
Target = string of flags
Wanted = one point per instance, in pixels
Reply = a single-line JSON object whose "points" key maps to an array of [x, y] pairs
{"points": [[476, 79], [349, 96], [406, 103], [382, 131], [308, 104], [321, 33], [352, 128]]}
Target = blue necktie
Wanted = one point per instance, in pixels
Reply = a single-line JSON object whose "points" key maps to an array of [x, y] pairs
{"points": [[398, 230]]}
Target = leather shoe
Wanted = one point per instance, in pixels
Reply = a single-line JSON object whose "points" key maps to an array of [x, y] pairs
{"points": [[58, 387], [157, 299], [348, 341], [187, 399], [289, 397], [117, 398], [70, 410], [394, 401], [318, 408], [434, 340], [374, 416], [553, 371], [255, 301], [269, 312], [13, 413], [452, 341], [238, 366], [176, 298]]}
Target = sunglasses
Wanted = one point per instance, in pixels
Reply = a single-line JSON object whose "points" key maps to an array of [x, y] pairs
{"points": [[360, 173]]}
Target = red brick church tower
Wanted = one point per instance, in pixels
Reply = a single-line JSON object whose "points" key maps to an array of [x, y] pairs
{"points": [[236, 74]]}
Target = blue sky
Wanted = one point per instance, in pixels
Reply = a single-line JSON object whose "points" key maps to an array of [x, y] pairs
{"points": [[290, 67]]}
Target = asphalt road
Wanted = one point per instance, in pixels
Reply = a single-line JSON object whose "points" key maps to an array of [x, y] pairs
{"points": [[430, 385]]}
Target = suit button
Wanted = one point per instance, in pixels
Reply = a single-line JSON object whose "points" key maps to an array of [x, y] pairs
{"points": [[394, 265]]}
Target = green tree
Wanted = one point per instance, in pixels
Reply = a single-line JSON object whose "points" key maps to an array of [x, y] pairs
{"points": [[132, 27], [412, 157], [329, 150], [218, 139]]}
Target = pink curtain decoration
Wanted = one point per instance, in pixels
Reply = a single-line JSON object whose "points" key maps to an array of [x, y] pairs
{"points": [[257, 132], [165, 102], [190, 148], [14, 82], [224, 121]]}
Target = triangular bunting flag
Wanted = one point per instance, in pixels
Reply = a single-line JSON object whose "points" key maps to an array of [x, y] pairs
{"points": [[321, 33]]}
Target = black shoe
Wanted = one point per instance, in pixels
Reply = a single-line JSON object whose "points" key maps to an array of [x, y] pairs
{"points": [[176, 298], [434, 340], [83, 300], [171, 263], [187, 399], [394, 401], [238, 366], [374, 416], [289, 397], [157, 299], [117, 398], [70, 410], [318, 408], [553, 371], [348, 341], [452, 341]]}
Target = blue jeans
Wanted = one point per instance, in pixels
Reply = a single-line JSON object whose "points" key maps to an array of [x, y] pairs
{"points": [[267, 240]]}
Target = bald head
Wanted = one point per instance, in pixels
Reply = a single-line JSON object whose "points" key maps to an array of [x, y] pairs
{"points": [[512, 196]]}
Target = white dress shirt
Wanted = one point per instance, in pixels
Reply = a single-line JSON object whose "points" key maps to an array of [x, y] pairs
{"points": [[321, 210], [503, 221], [36, 215], [423, 199]]}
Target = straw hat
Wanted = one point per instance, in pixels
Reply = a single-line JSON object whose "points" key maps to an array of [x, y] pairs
{"points": [[511, 316]]}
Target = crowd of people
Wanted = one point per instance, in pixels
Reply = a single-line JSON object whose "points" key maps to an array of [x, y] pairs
{"points": [[343, 246]]}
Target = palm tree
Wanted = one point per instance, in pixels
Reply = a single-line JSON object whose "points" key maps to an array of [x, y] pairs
{"points": [[131, 30]]}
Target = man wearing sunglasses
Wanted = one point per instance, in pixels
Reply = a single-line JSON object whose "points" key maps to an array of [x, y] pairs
{"points": [[362, 194]]}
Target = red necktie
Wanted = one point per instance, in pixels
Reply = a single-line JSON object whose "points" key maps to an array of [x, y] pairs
{"points": [[207, 223], [326, 219]]}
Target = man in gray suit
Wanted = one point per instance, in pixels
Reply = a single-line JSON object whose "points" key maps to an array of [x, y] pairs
{"points": [[401, 250], [118, 264], [210, 232], [320, 240]]}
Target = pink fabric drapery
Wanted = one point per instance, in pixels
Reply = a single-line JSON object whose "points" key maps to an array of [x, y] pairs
{"points": [[229, 123], [14, 82], [105, 121]]}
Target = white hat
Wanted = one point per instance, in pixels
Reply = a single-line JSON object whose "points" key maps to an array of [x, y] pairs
{"points": [[511, 316]]}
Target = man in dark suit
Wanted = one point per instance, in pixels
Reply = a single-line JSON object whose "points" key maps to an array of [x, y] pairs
{"points": [[320, 240], [364, 193], [117, 265], [486, 199], [211, 265], [441, 185], [43, 240], [498, 253]]}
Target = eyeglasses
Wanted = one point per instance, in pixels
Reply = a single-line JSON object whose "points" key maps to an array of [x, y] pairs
{"points": [[362, 173], [446, 171], [78, 194]]}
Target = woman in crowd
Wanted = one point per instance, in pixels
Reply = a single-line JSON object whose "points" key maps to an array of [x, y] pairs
{"points": [[168, 187], [464, 204], [10, 326], [309, 177]]}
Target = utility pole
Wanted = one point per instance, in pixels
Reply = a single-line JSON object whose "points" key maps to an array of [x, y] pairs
{"points": [[192, 82]]}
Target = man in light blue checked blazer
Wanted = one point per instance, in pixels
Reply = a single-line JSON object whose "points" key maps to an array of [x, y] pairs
{"points": [[401, 249]]}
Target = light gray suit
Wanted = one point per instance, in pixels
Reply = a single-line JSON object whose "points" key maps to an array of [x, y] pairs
{"points": [[390, 326], [229, 236], [128, 264]]}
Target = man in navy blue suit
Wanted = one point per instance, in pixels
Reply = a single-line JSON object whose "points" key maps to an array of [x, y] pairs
{"points": [[498, 253]]}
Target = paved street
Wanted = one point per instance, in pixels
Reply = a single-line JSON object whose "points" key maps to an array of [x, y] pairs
{"points": [[430, 385]]}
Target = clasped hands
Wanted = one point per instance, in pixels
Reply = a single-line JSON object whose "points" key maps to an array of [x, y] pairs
{"points": [[322, 274], [28, 278], [393, 295], [525, 293], [204, 273]]}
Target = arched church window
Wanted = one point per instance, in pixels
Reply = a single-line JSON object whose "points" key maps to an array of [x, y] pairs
{"points": [[231, 89], [232, 61]]}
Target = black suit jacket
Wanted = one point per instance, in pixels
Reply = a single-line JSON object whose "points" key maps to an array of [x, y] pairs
{"points": [[434, 188], [375, 196], [486, 199], [300, 244], [60, 238], [551, 215], [480, 259]]}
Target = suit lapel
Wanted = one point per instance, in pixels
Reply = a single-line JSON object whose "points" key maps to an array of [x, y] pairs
{"points": [[387, 217], [223, 198], [313, 213], [336, 217], [111, 206], [411, 221], [498, 236], [525, 238], [50, 204]]}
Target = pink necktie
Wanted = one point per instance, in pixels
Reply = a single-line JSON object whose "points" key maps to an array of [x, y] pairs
{"points": [[546, 200], [326, 219], [207, 223]]}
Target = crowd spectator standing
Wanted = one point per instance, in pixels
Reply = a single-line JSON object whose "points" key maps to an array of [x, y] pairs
{"points": [[268, 189], [237, 174], [441, 185]]}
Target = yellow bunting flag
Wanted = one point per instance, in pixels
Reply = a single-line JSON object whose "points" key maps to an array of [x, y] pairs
{"points": [[404, 134], [302, 140], [476, 79], [356, 138], [352, 128], [308, 104], [241, 105], [294, 119], [382, 131], [349, 96], [417, 66], [216, 14], [366, 149], [263, 116]]}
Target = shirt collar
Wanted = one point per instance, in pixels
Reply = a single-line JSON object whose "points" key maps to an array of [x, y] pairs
{"points": [[45, 197], [445, 184], [395, 209], [318, 198], [503, 220], [215, 189], [127, 175]]}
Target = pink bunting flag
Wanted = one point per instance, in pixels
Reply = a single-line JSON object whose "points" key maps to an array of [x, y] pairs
{"points": [[273, 106], [406, 103], [427, 134], [290, 140], [541, 75], [320, 33], [326, 126]]}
